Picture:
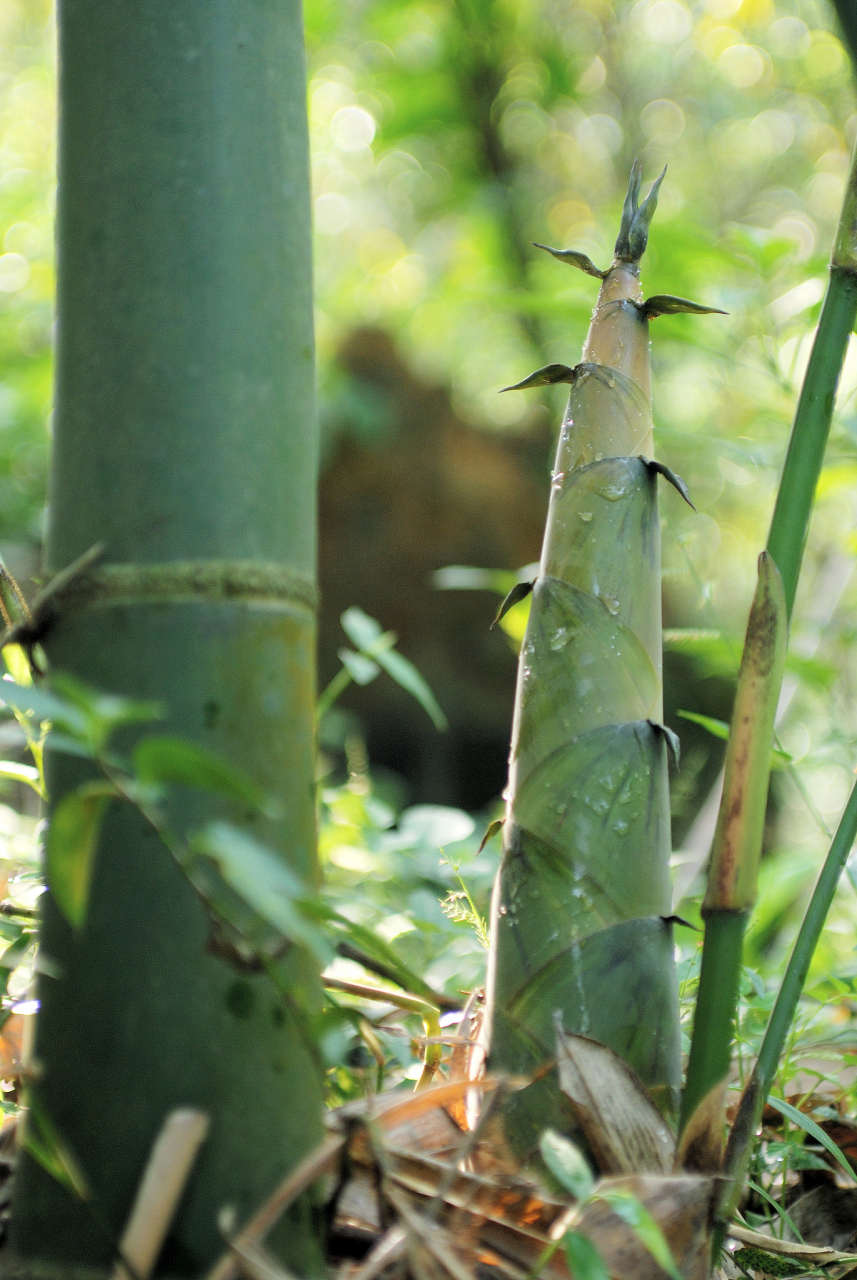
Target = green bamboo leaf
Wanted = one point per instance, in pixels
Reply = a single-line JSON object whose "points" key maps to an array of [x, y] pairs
{"points": [[21, 773], [574, 258], [717, 728], [367, 635], [584, 1260], [567, 1164], [375, 949], [635, 1215], [809, 1126], [405, 674], [71, 845], [776, 1206], [44, 705], [720, 729], [165, 760], [17, 664], [44, 1143], [361, 669], [265, 882], [362, 631], [544, 377]]}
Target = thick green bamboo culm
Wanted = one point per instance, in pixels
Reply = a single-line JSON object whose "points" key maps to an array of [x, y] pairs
{"points": [[579, 914], [745, 796], [184, 443]]}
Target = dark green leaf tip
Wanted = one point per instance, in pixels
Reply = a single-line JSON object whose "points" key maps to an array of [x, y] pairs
{"points": [[493, 829], [574, 259], [519, 592], [637, 218], [672, 740], [681, 920], [665, 304], [675, 480], [629, 210], [543, 377]]}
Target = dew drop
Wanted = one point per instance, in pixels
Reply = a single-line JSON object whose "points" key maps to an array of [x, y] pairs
{"points": [[598, 457], [560, 638], [585, 516], [612, 604]]}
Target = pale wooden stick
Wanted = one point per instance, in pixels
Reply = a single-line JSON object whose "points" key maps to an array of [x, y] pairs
{"points": [[160, 1190]]}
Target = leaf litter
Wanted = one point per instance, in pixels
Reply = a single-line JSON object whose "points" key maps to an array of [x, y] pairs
{"points": [[424, 1186]]}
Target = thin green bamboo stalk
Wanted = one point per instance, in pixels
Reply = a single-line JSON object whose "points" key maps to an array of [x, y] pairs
{"points": [[793, 509], [745, 793], [737, 844], [783, 1012]]}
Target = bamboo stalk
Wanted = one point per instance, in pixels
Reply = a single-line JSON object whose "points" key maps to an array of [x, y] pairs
{"points": [[581, 903], [745, 790], [782, 1015], [184, 455]]}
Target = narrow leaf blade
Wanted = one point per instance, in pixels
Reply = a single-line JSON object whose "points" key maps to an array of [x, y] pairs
{"points": [[71, 845], [815, 1131], [584, 1260], [361, 630], [264, 881], [406, 675], [167, 760], [362, 670], [567, 1164], [635, 1215]]}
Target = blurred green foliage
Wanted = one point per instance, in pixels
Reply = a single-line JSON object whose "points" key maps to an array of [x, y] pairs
{"points": [[27, 186]]}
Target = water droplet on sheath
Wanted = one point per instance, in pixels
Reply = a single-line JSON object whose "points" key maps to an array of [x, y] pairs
{"points": [[585, 516]]}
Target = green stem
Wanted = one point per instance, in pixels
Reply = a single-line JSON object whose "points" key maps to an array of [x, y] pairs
{"points": [[328, 696], [790, 523], [786, 543], [714, 1018], [783, 1012]]}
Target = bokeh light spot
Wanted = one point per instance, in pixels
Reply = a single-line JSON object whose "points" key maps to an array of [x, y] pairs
{"points": [[14, 272]]}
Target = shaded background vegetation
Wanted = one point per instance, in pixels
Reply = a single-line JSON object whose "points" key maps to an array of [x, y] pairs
{"points": [[447, 136]]}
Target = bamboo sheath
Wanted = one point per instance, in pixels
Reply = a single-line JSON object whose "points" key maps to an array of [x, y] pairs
{"points": [[581, 903]]}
